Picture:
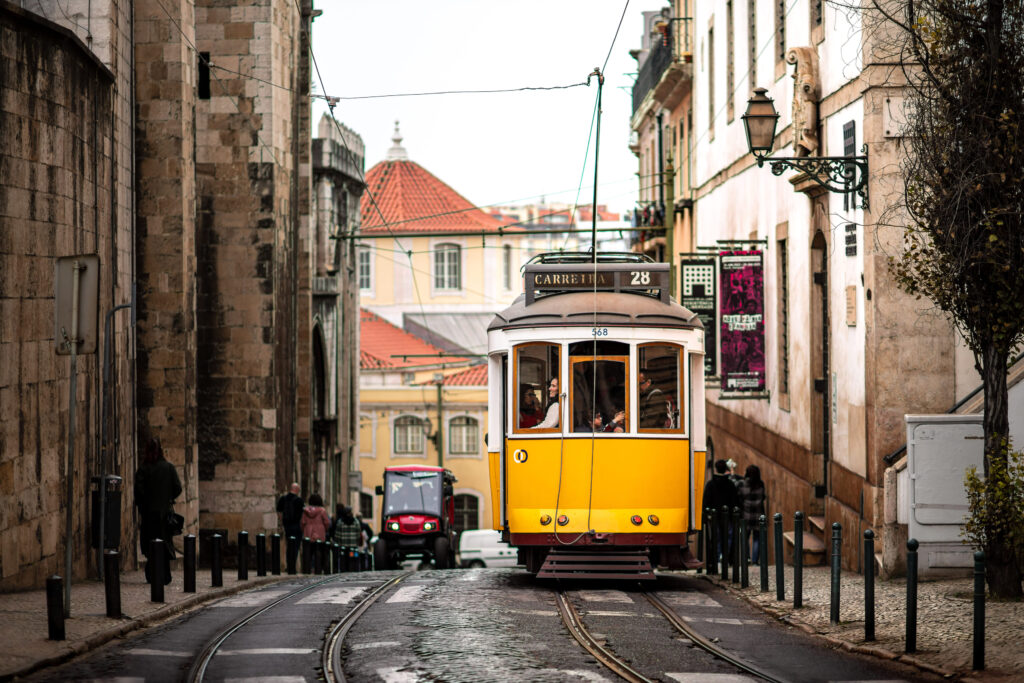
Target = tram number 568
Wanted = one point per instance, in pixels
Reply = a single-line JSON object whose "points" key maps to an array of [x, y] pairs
{"points": [[599, 332]]}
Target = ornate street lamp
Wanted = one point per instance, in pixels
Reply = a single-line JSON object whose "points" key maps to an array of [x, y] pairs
{"points": [[835, 174]]}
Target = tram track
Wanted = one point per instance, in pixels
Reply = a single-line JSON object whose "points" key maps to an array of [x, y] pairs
{"points": [[201, 663], [613, 662], [331, 655]]}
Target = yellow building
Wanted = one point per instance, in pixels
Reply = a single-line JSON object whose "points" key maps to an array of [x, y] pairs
{"points": [[433, 270]]}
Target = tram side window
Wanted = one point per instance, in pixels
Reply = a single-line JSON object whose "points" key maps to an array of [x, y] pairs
{"points": [[538, 388], [599, 395], [659, 388]]}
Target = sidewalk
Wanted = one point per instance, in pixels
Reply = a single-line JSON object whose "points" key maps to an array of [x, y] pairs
{"points": [[945, 621], [24, 630]]}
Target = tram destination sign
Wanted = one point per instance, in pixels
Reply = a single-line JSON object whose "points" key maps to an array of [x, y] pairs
{"points": [[648, 278]]}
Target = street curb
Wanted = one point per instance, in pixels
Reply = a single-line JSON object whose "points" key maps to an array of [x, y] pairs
{"points": [[95, 640], [870, 650]]}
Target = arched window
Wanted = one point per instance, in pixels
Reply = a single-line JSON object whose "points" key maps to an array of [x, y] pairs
{"points": [[463, 434], [467, 512], [448, 267], [408, 434]]}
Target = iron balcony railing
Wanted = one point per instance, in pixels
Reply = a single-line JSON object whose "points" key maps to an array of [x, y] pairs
{"points": [[673, 46]]}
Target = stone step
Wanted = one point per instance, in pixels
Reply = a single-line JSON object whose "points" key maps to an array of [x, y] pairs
{"points": [[816, 522], [813, 551]]}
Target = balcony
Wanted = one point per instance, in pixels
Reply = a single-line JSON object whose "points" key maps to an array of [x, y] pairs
{"points": [[671, 55]]}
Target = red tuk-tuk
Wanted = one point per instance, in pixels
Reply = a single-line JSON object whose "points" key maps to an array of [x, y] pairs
{"points": [[417, 517]]}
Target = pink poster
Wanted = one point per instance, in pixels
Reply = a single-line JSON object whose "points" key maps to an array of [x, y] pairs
{"points": [[742, 322]]}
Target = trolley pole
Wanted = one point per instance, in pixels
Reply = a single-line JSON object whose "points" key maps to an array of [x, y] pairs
{"points": [[597, 151]]}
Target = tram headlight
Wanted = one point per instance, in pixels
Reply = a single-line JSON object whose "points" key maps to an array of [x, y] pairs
{"points": [[653, 519], [637, 520], [563, 520], [393, 526], [429, 526], [545, 520]]}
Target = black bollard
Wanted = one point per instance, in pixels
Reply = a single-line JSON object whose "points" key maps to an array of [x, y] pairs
{"points": [[912, 595], [216, 572], [55, 607], [243, 555], [780, 571], [293, 553], [112, 582], [156, 561], [762, 552], [307, 554], [837, 549], [979, 611], [261, 554], [744, 554], [700, 548], [798, 559], [189, 564], [711, 551], [869, 585], [734, 544], [325, 558], [723, 540], [275, 554]]}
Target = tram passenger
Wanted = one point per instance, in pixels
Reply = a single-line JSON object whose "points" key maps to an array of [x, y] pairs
{"points": [[618, 423], [653, 408], [550, 420], [530, 410]]}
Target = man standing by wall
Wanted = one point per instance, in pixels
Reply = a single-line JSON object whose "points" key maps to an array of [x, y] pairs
{"points": [[290, 505]]}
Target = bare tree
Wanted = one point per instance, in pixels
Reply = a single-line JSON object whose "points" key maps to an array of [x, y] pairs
{"points": [[963, 64]]}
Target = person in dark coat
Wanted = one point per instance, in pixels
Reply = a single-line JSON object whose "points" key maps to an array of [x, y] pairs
{"points": [[752, 495], [720, 492], [156, 486], [291, 505]]}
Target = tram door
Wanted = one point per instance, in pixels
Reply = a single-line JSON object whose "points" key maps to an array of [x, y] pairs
{"points": [[502, 513]]}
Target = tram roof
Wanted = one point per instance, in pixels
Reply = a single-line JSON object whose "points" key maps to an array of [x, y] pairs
{"points": [[627, 290], [624, 309]]}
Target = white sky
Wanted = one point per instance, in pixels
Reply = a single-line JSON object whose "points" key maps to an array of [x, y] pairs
{"points": [[506, 148]]}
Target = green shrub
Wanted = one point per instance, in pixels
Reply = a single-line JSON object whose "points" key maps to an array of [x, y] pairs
{"points": [[997, 505]]}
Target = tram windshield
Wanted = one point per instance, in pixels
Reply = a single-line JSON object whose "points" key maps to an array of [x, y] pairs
{"points": [[406, 492], [537, 399], [658, 381]]}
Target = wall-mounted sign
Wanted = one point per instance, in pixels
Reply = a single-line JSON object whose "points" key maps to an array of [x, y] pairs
{"points": [[741, 331], [699, 295]]}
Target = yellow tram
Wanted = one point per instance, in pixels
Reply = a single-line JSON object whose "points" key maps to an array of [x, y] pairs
{"points": [[596, 434]]}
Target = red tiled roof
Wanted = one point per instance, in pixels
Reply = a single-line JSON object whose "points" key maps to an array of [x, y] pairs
{"points": [[379, 341], [475, 376], [412, 199], [368, 361]]}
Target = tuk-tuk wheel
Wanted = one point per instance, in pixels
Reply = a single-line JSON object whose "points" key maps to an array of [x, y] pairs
{"points": [[442, 553]]}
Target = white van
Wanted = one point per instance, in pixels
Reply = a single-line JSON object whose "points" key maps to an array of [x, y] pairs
{"points": [[483, 548]]}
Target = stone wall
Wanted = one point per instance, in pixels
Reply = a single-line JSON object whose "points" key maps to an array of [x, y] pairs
{"points": [[254, 317], [65, 185]]}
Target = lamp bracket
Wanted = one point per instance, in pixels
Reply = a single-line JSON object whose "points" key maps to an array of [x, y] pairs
{"points": [[835, 174]]}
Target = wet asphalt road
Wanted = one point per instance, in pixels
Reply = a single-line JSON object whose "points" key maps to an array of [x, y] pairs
{"points": [[474, 625]]}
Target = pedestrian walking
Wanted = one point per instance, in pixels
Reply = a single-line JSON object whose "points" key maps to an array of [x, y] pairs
{"points": [[156, 486], [347, 531], [752, 495], [290, 505], [315, 521], [720, 492]]}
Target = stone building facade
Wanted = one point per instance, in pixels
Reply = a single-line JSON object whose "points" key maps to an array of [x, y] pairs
{"points": [[338, 181], [65, 190], [173, 141]]}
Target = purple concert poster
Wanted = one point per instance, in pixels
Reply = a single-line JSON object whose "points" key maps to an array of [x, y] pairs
{"points": [[741, 291]]}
